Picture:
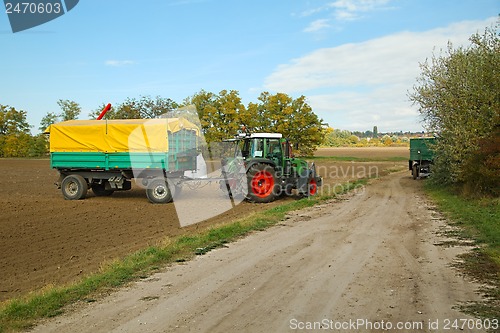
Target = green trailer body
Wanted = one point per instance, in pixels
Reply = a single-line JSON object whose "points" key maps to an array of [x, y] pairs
{"points": [[421, 156], [420, 149], [105, 155], [181, 156]]}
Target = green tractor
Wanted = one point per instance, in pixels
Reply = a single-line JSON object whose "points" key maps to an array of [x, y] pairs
{"points": [[261, 167]]}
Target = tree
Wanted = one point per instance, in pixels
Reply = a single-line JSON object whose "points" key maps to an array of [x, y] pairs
{"points": [[143, 108], [14, 132], [49, 119], [13, 121], [220, 115], [337, 137], [153, 108], [386, 140], [70, 109], [353, 139], [39, 146], [130, 109], [293, 118], [459, 98]]}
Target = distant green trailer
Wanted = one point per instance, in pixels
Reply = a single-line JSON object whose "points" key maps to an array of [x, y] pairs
{"points": [[421, 157]]}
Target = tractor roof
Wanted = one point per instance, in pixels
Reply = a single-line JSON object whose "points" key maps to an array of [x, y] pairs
{"points": [[243, 136], [266, 135]]}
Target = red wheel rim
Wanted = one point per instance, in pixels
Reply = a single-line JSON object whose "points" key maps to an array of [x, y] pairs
{"points": [[313, 187], [262, 184]]}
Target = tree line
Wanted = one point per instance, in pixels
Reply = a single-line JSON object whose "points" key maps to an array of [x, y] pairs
{"points": [[219, 116], [344, 138]]}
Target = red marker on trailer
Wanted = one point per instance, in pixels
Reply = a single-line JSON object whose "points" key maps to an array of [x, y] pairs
{"points": [[103, 112]]}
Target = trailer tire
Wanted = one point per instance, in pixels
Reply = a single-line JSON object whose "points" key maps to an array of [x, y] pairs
{"points": [[74, 187], [158, 191], [100, 190], [414, 171]]}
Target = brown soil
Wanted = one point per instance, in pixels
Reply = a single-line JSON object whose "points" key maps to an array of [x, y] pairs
{"points": [[46, 240], [365, 152]]}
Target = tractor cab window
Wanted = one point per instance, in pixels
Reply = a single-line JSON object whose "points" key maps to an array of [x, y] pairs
{"points": [[273, 148], [274, 151], [257, 147]]}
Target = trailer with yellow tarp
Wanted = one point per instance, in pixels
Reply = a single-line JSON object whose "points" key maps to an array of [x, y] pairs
{"points": [[105, 155]]}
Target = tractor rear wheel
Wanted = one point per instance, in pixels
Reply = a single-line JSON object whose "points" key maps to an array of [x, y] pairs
{"points": [[312, 187], [262, 183]]}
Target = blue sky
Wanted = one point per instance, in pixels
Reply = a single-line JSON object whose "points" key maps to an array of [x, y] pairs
{"points": [[354, 60]]}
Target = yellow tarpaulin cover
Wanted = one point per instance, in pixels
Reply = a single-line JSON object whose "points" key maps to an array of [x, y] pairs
{"points": [[127, 135]]}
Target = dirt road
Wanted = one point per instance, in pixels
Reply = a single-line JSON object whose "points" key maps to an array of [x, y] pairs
{"points": [[367, 262]]}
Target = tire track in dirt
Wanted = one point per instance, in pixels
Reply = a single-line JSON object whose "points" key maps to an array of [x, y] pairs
{"points": [[371, 256]]}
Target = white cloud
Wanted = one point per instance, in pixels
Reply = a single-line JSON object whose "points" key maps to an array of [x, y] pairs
{"points": [[317, 25], [351, 83], [348, 10], [119, 63]]}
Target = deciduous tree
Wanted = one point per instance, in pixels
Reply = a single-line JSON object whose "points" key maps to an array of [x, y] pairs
{"points": [[14, 132], [49, 119], [458, 94], [70, 109], [145, 107], [293, 118]]}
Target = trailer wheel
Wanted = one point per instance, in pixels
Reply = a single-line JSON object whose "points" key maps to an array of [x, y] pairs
{"points": [[158, 191], [74, 187], [262, 183], [100, 190], [414, 171]]}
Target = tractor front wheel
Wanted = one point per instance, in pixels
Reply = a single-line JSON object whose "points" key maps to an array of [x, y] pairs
{"points": [[262, 183]]}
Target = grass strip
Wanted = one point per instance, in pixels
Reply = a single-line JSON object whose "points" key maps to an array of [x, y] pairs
{"points": [[358, 159], [476, 219], [22, 313]]}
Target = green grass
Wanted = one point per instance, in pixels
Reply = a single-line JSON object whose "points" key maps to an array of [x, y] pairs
{"points": [[479, 220], [358, 159], [22, 313]]}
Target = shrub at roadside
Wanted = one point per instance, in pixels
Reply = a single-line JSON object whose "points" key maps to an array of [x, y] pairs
{"points": [[459, 98]]}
